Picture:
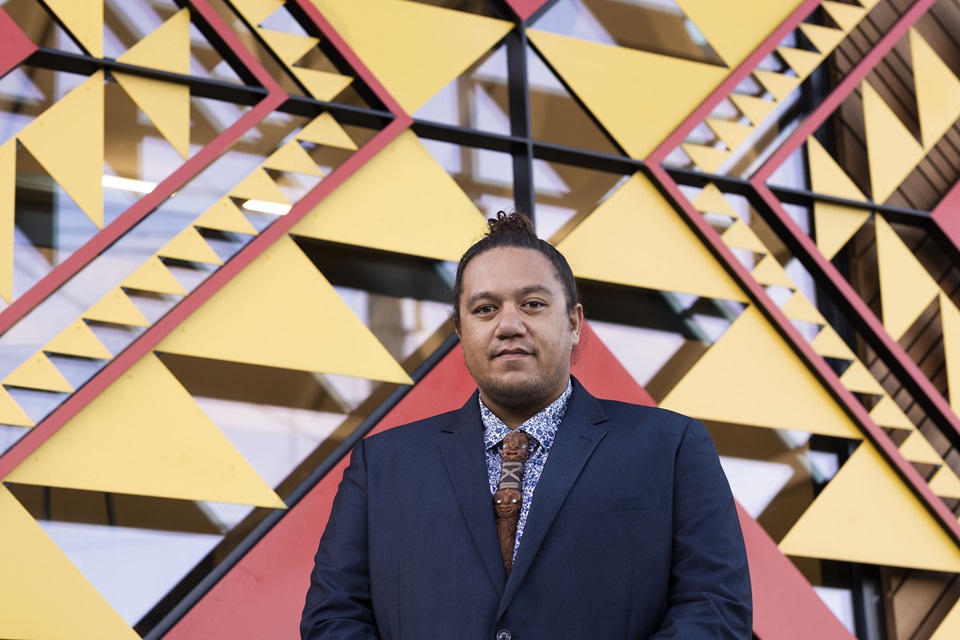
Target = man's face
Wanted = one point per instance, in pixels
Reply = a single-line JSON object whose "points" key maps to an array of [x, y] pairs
{"points": [[515, 330]]}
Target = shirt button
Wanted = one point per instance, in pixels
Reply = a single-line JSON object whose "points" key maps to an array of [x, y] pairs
{"points": [[503, 634]]}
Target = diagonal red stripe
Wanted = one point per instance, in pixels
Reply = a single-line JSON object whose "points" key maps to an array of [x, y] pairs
{"points": [[15, 46]]}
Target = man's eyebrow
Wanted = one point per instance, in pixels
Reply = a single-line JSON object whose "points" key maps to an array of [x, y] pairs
{"points": [[525, 291]]}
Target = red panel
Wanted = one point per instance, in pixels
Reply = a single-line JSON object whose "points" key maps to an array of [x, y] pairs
{"points": [[525, 8], [947, 214], [603, 375], [15, 46]]}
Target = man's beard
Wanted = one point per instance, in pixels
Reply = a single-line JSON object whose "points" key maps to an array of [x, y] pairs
{"points": [[530, 391]]}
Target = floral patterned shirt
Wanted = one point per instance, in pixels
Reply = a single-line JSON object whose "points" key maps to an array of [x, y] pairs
{"points": [[542, 429]]}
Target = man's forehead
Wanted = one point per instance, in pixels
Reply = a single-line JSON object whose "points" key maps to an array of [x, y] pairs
{"points": [[511, 268]]}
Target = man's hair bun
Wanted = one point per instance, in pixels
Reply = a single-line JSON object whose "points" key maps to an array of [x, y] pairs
{"points": [[510, 223]]}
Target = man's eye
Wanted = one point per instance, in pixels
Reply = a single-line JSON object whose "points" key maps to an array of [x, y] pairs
{"points": [[536, 304], [484, 309]]}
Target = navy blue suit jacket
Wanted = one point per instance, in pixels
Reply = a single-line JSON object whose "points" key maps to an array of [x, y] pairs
{"points": [[632, 534]]}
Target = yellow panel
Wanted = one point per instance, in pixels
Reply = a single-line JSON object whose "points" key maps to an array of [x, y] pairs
{"points": [[756, 109], [892, 150], [292, 158], [946, 484], [281, 312], [708, 159], [751, 376], [78, 340], [829, 344], [950, 319], [803, 62], [636, 238], [867, 514], [734, 28], [938, 91], [189, 245], [11, 413], [325, 130], [835, 224], [712, 199], [859, 379], [67, 140], [166, 104], [256, 11], [679, 85], [259, 186], [779, 85], [37, 372], [949, 629], [44, 595], [225, 216], [826, 175], [289, 47], [768, 272], [906, 289], [145, 435], [166, 48], [730, 133], [116, 308], [8, 183], [154, 276], [917, 449], [322, 85], [414, 49], [847, 16], [799, 308], [400, 201], [84, 20], [888, 413], [825, 39], [741, 236]]}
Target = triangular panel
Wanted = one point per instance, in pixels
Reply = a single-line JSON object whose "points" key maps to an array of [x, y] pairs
{"points": [[78, 340], [154, 276], [906, 289], [37, 372], [938, 91], [892, 150]]}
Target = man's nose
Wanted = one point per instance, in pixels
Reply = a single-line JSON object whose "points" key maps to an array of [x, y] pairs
{"points": [[510, 322]]}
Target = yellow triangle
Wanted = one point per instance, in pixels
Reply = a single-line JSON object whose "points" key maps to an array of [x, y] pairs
{"points": [[116, 308], [37, 372], [8, 186], [946, 484], [799, 308], [741, 236], [11, 413], [827, 177], [154, 276], [949, 629], [166, 48], [166, 104], [259, 186], [858, 378], [393, 38], [293, 158], [84, 20], [256, 11], [751, 376], [322, 85], [779, 85], [190, 246], [768, 272], [829, 344], [847, 16], [867, 514], [825, 39], [680, 86], [281, 312], [835, 224], [869, 4], [892, 150], [734, 28], [906, 289], [36, 574], [711, 199], [756, 109], [730, 133], [374, 207], [289, 47], [709, 159], [636, 238], [888, 413], [950, 320], [145, 435], [938, 91], [67, 140], [78, 340], [803, 62], [225, 216], [324, 130], [918, 449]]}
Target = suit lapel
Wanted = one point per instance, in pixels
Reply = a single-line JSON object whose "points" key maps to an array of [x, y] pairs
{"points": [[461, 445], [577, 437]]}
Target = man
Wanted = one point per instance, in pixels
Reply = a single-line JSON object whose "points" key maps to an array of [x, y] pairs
{"points": [[619, 518]]}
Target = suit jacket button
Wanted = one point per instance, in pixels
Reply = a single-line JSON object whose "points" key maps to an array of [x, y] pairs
{"points": [[503, 634]]}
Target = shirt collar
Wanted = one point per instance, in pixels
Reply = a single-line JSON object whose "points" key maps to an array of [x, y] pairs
{"points": [[542, 426]]}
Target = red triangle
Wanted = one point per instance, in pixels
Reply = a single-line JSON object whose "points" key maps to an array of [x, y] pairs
{"points": [[603, 375], [525, 8], [15, 46]]}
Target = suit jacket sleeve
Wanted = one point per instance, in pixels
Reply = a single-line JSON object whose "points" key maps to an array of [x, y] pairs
{"points": [[338, 605], [709, 584]]}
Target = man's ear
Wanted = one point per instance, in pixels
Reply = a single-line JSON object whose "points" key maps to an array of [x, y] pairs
{"points": [[576, 322]]}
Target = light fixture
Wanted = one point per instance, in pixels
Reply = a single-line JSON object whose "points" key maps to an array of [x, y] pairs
{"points": [[265, 206]]}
